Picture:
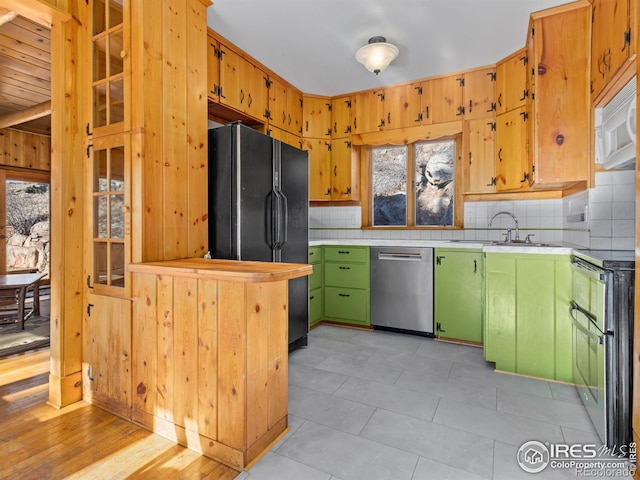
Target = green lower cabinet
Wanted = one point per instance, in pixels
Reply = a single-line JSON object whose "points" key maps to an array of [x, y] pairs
{"points": [[316, 306], [459, 294], [527, 324], [346, 284]]}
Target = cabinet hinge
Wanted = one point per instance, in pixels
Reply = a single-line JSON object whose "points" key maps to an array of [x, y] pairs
{"points": [[328, 132], [267, 114], [439, 259], [89, 150], [525, 116], [419, 90], [269, 131], [328, 146], [220, 53], [525, 60], [89, 309], [348, 130], [381, 95], [348, 143], [89, 281], [88, 129], [460, 111], [348, 102], [493, 107], [419, 119], [348, 190], [328, 106], [460, 81], [492, 125], [267, 82], [627, 38], [493, 76], [533, 31]]}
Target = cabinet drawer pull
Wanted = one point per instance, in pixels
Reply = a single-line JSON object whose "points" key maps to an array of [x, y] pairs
{"points": [[344, 252], [344, 294], [344, 268], [312, 297]]}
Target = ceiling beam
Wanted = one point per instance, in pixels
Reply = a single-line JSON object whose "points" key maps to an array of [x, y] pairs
{"points": [[37, 11], [6, 16], [26, 115]]}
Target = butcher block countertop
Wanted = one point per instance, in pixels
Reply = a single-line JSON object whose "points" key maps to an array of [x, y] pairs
{"points": [[227, 270]]}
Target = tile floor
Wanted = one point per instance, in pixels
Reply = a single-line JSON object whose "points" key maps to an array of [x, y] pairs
{"points": [[379, 405]]}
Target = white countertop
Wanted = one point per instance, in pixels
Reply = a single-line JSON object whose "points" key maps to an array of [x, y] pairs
{"points": [[485, 246]]}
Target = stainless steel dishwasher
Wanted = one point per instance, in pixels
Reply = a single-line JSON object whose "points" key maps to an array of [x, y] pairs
{"points": [[402, 289]]}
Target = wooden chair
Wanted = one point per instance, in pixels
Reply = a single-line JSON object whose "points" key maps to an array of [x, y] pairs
{"points": [[8, 306]]}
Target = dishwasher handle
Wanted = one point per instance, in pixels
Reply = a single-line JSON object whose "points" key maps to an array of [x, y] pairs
{"points": [[411, 257]]}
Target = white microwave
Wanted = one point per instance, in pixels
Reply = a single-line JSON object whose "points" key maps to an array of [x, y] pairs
{"points": [[615, 125]]}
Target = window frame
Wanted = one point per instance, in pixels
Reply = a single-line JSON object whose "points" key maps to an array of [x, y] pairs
{"points": [[366, 178]]}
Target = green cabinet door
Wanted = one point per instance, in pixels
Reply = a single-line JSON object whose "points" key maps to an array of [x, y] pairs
{"points": [[527, 323], [316, 305], [459, 294]]}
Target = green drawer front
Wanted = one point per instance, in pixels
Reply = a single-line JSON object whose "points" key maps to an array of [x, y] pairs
{"points": [[315, 279], [346, 254], [347, 304], [316, 306], [315, 254], [352, 275]]}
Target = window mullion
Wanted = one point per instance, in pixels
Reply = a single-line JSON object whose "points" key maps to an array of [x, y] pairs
{"points": [[411, 187]]}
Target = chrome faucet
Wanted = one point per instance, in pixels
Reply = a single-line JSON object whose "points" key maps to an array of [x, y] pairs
{"points": [[515, 220]]}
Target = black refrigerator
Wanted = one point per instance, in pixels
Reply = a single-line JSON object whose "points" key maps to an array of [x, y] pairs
{"points": [[258, 208]]}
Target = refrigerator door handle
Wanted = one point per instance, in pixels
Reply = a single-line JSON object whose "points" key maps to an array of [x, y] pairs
{"points": [[271, 206], [277, 220], [284, 219]]}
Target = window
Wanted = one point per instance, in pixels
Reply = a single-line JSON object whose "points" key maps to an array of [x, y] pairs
{"points": [[429, 167]]}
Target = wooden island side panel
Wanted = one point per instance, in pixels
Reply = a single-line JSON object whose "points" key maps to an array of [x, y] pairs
{"points": [[209, 366]]}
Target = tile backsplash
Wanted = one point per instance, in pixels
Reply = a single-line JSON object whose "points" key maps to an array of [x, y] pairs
{"points": [[602, 217]]}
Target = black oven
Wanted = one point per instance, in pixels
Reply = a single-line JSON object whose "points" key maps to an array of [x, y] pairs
{"points": [[602, 322]]}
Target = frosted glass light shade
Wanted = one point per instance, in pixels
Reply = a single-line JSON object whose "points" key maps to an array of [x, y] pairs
{"points": [[377, 54]]}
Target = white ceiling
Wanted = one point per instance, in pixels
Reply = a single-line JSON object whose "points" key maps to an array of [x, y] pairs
{"points": [[312, 44]]}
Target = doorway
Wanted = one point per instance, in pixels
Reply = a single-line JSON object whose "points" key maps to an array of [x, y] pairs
{"points": [[24, 222]]}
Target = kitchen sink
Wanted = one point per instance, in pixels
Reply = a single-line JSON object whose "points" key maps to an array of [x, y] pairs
{"points": [[522, 244]]}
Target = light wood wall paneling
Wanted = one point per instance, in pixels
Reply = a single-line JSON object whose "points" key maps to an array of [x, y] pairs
{"points": [[278, 344], [25, 150], [208, 358], [145, 361], [174, 101], [67, 203], [197, 139], [165, 353]]}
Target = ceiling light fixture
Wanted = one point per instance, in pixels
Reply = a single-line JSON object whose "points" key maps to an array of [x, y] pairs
{"points": [[377, 54]]}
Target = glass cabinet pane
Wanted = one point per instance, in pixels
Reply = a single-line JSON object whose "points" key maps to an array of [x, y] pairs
{"points": [[116, 62], [100, 58], [116, 101], [99, 105], [100, 173], [100, 217], [100, 263], [116, 177], [99, 16], [115, 13], [117, 264], [117, 216]]}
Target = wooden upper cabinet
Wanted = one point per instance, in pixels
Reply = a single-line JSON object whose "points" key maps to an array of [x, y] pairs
{"points": [[284, 136], [340, 117], [511, 81], [442, 99], [559, 105], [479, 156], [479, 93], [243, 86], [341, 165], [402, 106], [316, 116], [319, 168], [213, 68], [294, 110], [611, 40], [285, 107], [511, 150], [367, 111]]}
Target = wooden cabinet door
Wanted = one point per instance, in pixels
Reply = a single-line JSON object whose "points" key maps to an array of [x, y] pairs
{"points": [[511, 81], [340, 117], [257, 94], [560, 107], [511, 150], [402, 106], [442, 99], [341, 169], [213, 68], [232, 68], [294, 111], [480, 155], [609, 41], [316, 117], [319, 168], [278, 114], [479, 94], [285, 137], [367, 111]]}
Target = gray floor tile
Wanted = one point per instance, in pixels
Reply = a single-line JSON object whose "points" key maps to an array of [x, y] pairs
{"points": [[337, 347], [573, 436], [334, 333], [368, 370], [276, 467], [307, 356], [428, 469], [460, 449], [414, 363], [346, 456], [565, 392], [293, 424], [465, 372], [473, 393], [328, 410], [543, 409], [497, 425], [389, 397], [315, 378], [397, 342]]}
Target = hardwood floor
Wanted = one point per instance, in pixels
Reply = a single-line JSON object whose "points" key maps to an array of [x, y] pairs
{"points": [[81, 441]]}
